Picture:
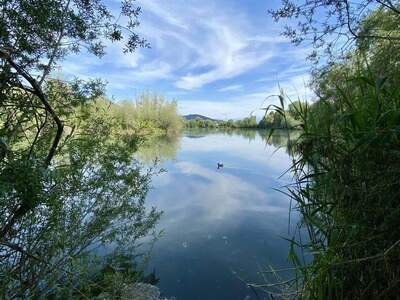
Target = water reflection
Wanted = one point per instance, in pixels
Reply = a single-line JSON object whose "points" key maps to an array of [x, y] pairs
{"points": [[222, 226], [278, 138], [160, 148]]}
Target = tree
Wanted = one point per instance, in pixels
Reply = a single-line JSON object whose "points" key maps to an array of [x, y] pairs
{"points": [[67, 178], [295, 109], [93, 194], [332, 27], [34, 36], [249, 122]]}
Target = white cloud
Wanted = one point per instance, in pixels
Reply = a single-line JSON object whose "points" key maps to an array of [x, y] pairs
{"points": [[205, 43], [198, 47], [234, 108], [163, 12], [227, 53], [230, 88], [243, 105]]}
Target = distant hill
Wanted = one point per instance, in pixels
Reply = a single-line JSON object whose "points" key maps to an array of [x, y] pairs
{"points": [[196, 116]]}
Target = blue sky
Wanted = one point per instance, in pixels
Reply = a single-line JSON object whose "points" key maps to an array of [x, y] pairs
{"points": [[218, 58]]}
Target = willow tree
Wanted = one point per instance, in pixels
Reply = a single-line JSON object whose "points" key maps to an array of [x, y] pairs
{"points": [[67, 178]]}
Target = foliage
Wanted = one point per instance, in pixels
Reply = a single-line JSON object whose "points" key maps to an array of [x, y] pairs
{"points": [[283, 119], [107, 277], [68, 181], [37, 34], [93, 194], [346, 171], [278, 121], [150, 112], [249, 122], [272, 119], [333, 26]]}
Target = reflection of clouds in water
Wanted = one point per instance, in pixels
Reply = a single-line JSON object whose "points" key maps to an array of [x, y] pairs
{"points": [[230, 218], [161, 180], [224, 195], [194, 194], [215, 207], [275, 159]]}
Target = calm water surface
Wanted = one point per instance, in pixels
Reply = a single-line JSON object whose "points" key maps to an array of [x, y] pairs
{"points": [[222, 227]]}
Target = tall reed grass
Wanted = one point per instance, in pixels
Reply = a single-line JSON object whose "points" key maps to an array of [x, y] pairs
{"points": [[347, 188]]}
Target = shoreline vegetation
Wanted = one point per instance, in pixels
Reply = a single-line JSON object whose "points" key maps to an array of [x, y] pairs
{"points": [[346, 166], [56, 210], [70, 183], [148, 115], [282, 119]]}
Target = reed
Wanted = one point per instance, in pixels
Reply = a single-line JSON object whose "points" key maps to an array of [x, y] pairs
{"points": [[346, 170]]}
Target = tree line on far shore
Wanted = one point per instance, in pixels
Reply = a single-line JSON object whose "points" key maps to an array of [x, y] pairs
{"points": [[288, 118]]}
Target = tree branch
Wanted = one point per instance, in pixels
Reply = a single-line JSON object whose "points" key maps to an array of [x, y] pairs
{"points": [[37, 90], [56, 47]]}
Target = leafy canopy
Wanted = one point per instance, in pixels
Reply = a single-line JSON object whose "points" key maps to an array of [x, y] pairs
{"points": [[68, 180]]}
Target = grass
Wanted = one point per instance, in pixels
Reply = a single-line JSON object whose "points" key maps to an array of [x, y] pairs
{"points": [[346, 169]]}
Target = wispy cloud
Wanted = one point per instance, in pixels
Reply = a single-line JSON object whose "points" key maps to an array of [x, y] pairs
{"points": [[227, 51], [229, 88], [200, 49], [251, 103]]}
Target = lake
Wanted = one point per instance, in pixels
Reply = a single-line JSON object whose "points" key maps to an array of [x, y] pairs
{"points": [[222, 227]]}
